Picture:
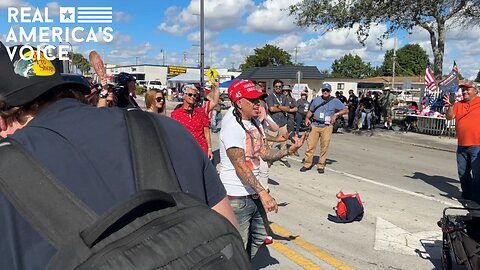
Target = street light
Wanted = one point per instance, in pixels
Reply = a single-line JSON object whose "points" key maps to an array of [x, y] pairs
{"points": [[163, 57]]}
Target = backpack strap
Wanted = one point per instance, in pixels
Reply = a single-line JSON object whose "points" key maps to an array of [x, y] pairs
{"points": [[27, 185], [322, 104], [151, 163]]}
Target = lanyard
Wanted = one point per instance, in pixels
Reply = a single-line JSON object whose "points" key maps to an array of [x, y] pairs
{"points": [[278, 100]]}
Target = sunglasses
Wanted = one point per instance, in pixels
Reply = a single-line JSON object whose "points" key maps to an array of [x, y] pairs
{"points": [[253, 100], [159, 99], [192, 95], [278, 86], [325, 90]]}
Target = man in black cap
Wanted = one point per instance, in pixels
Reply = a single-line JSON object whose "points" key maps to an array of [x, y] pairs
{"points": [[85, 148]]}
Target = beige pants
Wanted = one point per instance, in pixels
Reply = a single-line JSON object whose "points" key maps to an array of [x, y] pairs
{"points": [[283, 145], [324, 134]]}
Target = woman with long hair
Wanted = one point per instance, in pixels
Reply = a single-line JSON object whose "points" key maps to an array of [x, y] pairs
{"points": [[155, 101]]}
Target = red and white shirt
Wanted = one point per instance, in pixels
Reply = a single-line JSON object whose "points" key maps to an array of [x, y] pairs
{"points": [[195, 123]]}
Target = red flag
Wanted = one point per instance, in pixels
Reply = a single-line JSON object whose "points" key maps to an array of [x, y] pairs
{"points": [[430, 81]]}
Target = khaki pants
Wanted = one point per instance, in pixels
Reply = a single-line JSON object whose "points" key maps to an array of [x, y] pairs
{"points": [[324, 134], [283, 145]]}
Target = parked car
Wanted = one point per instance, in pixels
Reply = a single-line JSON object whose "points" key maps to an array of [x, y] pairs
{"points": [[225, 102], [141, 83], [154, 84]]}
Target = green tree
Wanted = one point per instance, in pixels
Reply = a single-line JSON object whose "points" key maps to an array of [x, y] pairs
{"points": [[267, 56], [81, 62], [435, 16], [478, 77], [349, 66], [411, 60]]}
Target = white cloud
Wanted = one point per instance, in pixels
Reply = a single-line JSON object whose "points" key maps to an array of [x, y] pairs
{"points": [[219, 15], [129, 54], [272, 17], [209, 37], [13, 3], [53, 9], [324, 48], [175, 29], [461, 45], [120, 16]]}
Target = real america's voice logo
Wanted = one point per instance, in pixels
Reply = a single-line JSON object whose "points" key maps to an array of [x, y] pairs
{"points": [[47, 35]]}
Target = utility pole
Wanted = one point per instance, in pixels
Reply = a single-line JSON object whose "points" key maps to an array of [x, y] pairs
{"points": [[184, 59], [136, 60], [296, 51], [394, 59], [163, 57], [202, 44]]}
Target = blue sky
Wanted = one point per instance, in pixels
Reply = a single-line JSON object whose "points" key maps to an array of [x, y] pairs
{"points": [[144, 29]]}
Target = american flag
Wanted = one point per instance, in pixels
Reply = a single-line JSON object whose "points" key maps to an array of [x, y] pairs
{"points": [[430, 81], [94, 14], [450, 84]]}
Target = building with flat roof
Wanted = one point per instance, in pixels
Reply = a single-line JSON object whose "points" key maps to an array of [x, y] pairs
{"points": [[163, 73]]}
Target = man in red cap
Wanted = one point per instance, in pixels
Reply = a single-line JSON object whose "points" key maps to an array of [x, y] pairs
{"points": [[467, 119], [242, 143]]}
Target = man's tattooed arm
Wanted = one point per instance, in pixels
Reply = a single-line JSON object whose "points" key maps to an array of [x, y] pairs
{"points": [[268, 154], [237, 157]]}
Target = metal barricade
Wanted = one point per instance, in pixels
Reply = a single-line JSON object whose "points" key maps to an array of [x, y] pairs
{"points": [[436, 126]]}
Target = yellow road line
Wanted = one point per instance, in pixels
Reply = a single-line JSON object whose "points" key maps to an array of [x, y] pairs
{"points": [[295, 256], [324, 256]]}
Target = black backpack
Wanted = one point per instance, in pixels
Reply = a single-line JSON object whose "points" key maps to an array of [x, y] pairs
{"points": [[159, 227]]}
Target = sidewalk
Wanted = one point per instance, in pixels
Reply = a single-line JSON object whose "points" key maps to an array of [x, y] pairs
{"points": [[442, 143]]}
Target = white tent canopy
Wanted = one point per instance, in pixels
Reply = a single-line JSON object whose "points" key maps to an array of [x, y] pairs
{"points": [[188, 78]]}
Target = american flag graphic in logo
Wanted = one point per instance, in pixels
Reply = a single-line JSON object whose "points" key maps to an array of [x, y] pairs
{"points": [[430, 81], [94, 14]]}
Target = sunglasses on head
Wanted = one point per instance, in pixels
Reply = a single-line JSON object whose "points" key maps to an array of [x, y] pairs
{"points": [[192, 95], [159, 99]]}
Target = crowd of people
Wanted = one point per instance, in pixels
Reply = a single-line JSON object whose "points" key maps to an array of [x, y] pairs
{"points": [[84, 144]]}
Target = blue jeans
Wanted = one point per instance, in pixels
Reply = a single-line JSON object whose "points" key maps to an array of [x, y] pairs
{"points": [[215, 121], [298, 122], [251, 226], [468, 163]]}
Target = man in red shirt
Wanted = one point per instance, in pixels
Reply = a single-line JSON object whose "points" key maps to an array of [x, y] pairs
{"points": [[194, 119], [467, 119]]}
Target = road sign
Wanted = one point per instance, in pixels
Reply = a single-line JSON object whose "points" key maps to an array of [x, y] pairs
{"points": [[211, 73]]}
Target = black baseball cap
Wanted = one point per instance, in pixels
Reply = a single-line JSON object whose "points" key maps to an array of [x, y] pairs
{"points": [[23, 80]]}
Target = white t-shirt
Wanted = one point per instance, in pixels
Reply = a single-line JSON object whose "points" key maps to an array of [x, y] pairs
{"points": [[233, 135]]}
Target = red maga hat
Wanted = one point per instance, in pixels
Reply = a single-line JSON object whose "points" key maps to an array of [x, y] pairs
{"points": [[467, 85], [244, 89]]}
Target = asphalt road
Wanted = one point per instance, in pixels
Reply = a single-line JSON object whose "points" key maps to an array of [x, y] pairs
{"points": [[404, 187], [404, 180]]}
